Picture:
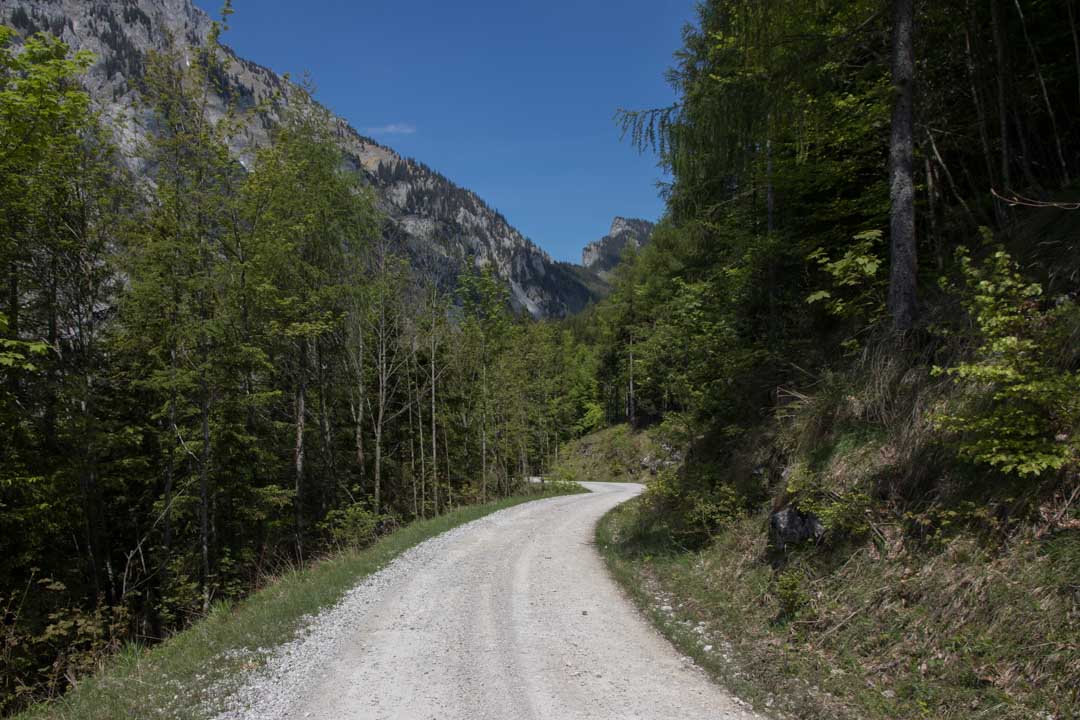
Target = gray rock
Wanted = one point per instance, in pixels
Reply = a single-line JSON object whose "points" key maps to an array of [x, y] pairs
{"points": [[791, 526], [604, 254]]}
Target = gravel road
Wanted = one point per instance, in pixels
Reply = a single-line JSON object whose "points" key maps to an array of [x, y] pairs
{"points": [[512, 616]]}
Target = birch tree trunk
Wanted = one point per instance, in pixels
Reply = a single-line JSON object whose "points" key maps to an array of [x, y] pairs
{"points": [[300, 409], [204, 491]]}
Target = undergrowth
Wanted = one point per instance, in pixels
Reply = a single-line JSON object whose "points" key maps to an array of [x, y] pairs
{"points": [[181, 678], [944, 584], [952, 631]]}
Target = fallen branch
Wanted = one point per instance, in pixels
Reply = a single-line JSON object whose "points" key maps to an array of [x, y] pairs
{"points": [[1015, 199]]}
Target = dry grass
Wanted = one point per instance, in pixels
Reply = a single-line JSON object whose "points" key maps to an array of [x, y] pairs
{"points": [[900, 629]]}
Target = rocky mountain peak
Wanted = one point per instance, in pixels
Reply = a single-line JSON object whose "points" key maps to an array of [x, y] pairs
{"points": [[601, 256], [632, 226]]}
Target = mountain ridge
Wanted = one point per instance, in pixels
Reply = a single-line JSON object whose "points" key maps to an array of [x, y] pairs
{"points": [[444, 229]]}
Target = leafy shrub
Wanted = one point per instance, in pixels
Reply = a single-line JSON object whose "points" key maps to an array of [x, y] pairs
{"points": [[46, 651], [592, 420], [936, 525], [791, 594], [858, 288], [696, 501], [1023, 405], [844, 514], [354, 526], [17, 354]]}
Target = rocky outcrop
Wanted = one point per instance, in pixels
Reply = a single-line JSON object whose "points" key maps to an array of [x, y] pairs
{"points": [[603, 255], [443, 228], [791, 526]]}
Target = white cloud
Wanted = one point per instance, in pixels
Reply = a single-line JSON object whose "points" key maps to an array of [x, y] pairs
{"points": [[393, 129]]}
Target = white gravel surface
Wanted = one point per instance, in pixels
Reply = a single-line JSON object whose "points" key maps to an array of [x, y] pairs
{"points": [[512, 616]]}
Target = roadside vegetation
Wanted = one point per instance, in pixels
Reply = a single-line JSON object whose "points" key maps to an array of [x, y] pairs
{"points": [[182, 677], [883, 624]]}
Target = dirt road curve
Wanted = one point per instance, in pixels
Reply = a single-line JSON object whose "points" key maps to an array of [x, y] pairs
{"points": [[510, 617]]}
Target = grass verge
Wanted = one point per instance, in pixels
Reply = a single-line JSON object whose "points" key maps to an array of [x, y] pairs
{"points": [[952, 632], [179, 678]]}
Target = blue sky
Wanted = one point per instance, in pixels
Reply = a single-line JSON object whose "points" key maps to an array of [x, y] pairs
{"points": [[511, 99]]}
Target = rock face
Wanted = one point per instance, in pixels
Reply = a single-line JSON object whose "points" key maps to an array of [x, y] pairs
{"points": [[601, 256], [790, 526], [443, 228]]}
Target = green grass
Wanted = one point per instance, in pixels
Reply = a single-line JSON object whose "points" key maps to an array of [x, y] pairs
{"points": [[954, 631], [182, 676]]}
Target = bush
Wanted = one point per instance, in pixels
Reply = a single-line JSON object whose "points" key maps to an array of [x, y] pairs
{"points": [[355, 526], [791, 594], [1023, 405], [698, 501]]}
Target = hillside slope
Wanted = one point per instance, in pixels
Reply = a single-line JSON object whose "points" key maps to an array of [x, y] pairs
{"points": [[873, 624]]}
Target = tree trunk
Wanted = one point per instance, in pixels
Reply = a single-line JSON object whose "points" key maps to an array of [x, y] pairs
{"points": [[904, 267], [13, 319], [1045, 94], [980, 113], [298, 447], [423, 443], [358, 412], [931, 200], [377, 489], [204, 490], [1002, 99], [1076, 42], [483, 463], [327, 431], [449, 487], [483, 432], [770, 194], [170, 475], [412, 443], [53, 372], [356, 407], [434, 444]]}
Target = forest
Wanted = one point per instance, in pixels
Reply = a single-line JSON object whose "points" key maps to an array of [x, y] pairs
{"points": [[859, 320], [860, 307], [214, 374]]}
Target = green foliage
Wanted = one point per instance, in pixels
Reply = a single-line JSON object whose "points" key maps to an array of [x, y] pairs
{"points": [[16, 355], [791, 593], [228, 367], [843, 513], [353, 526], [697, 503], [858, 288], [1023, 406]]}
